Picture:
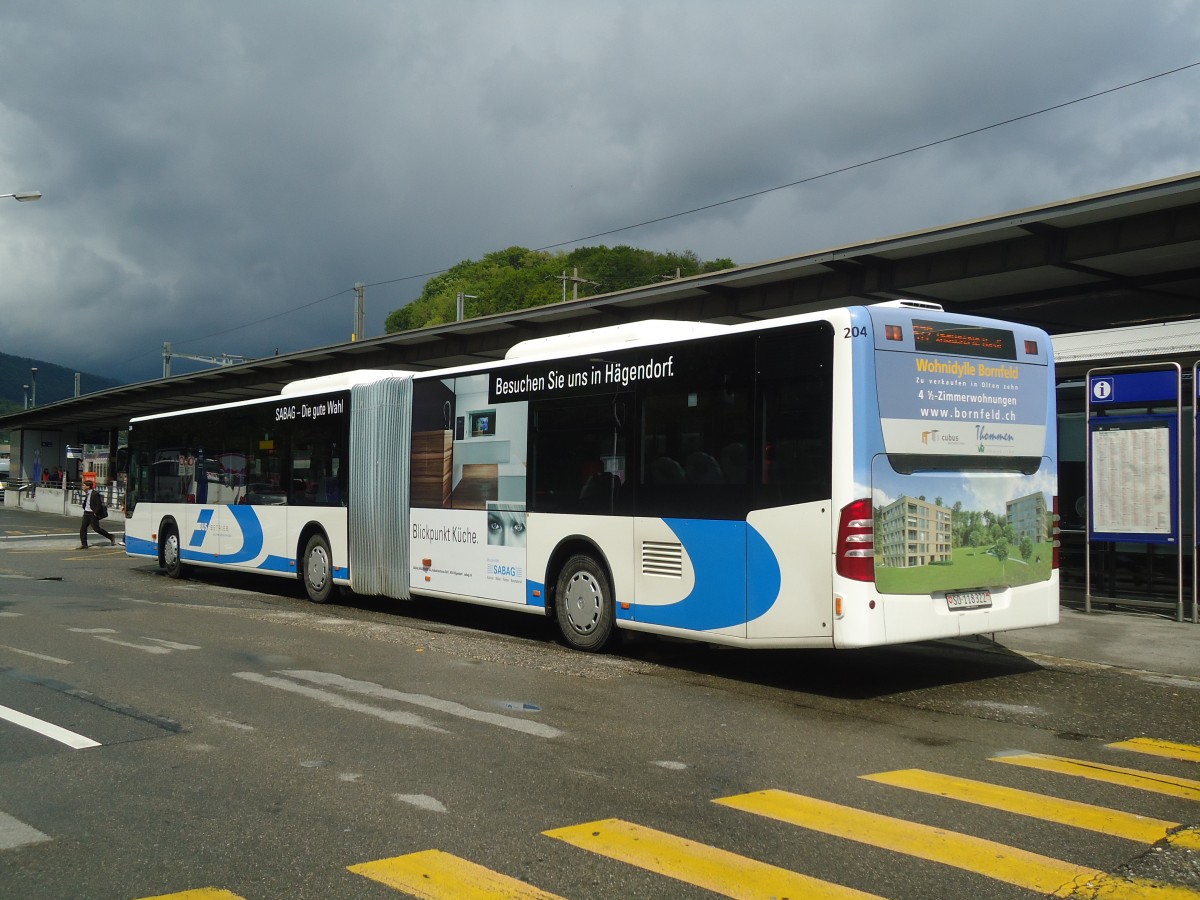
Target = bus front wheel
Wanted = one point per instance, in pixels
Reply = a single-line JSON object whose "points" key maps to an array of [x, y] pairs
{"points": [[171, 559], [317, 573], [584, 605]]}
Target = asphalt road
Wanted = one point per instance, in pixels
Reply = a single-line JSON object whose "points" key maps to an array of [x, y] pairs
{"points": [[222, 733]]}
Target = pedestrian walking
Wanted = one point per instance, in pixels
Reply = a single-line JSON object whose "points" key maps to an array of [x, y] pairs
{"points": [[93, 511]]}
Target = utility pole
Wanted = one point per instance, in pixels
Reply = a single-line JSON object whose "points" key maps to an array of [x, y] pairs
{"points": [[359, 310], [576, 281]]}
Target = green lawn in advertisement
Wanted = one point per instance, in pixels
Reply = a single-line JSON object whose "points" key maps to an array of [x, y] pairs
{"points": [[973, 567]]}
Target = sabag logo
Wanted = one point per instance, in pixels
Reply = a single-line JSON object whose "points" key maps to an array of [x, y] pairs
{"points": [[504, 570]]}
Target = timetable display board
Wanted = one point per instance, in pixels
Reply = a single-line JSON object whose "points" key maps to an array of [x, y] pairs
{"points": [[1133, 456], [1133, 491]]}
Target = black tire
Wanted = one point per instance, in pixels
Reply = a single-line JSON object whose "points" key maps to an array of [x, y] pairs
{"points": [[316, 569], [584, 605], [171, 559]]}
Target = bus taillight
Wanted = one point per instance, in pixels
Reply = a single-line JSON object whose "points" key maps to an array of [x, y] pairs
{"points": [[856, 542]]}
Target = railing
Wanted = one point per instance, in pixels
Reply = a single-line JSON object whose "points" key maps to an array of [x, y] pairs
{"points": [[54, 498]]}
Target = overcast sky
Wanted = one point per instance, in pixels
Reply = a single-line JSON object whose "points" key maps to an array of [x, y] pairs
{"points": [[213, 170]]}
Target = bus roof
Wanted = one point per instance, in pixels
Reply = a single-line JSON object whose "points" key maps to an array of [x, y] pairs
{"points": [[342, 381], [612, 337]]}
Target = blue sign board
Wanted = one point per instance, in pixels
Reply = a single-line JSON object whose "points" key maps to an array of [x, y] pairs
{"points": [[1138, 388]]}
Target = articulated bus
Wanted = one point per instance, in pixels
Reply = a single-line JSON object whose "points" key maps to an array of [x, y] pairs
{"points": [[856, 477]]}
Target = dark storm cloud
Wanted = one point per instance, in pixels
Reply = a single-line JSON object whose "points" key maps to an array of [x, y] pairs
{"points": [[209, 166]]}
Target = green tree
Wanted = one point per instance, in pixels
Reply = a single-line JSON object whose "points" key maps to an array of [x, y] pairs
{"points": [[518, 278], [1025, 547], [1000, 551]]}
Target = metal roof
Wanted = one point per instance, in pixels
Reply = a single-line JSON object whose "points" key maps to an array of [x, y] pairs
{"points": [[1124, 257]]}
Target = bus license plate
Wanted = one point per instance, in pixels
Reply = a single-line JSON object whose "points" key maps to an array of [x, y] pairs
{"points": [[969, 600]]}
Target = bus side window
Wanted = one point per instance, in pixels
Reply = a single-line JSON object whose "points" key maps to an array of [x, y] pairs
{"points": [[795, 409], [577, 459]]}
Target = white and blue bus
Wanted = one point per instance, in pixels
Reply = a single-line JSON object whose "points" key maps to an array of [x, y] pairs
{"points": [[856, 477]]}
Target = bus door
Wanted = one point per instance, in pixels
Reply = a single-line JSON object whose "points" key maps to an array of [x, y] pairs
{"points": [[580, 470], [789, 542]]}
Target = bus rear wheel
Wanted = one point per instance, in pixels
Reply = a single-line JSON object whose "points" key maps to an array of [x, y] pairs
{"points": [[584, 605], [171, 560], [317, 569]]}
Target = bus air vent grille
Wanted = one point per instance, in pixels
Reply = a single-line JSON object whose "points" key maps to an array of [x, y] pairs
{"points": [[662, 558]]}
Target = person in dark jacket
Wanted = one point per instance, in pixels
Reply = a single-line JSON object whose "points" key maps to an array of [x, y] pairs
{"points": [[91, 507]]}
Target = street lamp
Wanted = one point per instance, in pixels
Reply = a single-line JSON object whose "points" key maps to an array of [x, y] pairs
{"points": [[33, 382], [461, 303], [23, 196]]}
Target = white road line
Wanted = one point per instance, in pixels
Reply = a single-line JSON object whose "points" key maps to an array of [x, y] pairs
{"points": [[144, 648], [41, 656], [424, 801], [379, 692], [46, 729], [389, 715], [173, 645], [158, 645], [15, 833]]}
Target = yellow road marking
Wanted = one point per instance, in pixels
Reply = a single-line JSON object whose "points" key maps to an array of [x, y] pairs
{"points": [[699, 864], [1170, 785], [1026, 803], [436, 875], [1169, 749], [1188, 839], [1008, 864], [198, 894]]}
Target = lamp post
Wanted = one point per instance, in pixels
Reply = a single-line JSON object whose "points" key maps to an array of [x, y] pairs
{"points": [[461, 303], [23, 196], [33, 385]]}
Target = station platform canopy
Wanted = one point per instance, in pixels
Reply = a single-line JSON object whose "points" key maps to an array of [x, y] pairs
{"points": [[1127, 258]]}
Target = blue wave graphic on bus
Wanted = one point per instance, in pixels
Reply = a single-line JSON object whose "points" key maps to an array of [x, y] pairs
{"points": [[726, 592], [247, 523], [202, 522]]}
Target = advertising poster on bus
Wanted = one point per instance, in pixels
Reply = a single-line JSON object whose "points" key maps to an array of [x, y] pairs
{"points": [[964, 487], [468, 491]]}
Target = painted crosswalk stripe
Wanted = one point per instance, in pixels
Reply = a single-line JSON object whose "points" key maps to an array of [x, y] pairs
{"points": [[1157, 783], [436, 875], [699, 864], [1143, 829], [208, 893], [998, 861], [1169, 749]]}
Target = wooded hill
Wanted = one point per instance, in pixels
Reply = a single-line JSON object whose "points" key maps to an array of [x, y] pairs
{"points": [[53, 382], [518, 278]]}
